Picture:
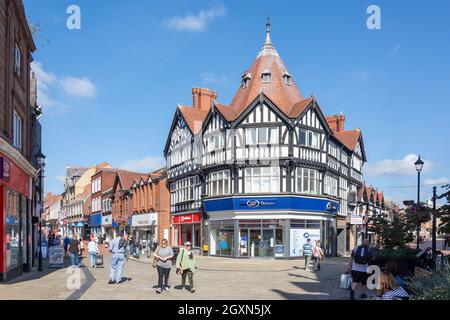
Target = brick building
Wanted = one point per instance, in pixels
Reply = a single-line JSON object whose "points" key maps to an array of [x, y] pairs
{"points": [[100, 220], [20, 143]]}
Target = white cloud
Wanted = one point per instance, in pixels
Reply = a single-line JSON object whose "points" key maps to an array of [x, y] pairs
{"points": [[397, 167], [78, 87], [51, 88], [198, 22], [437, 181], [144, 165], [61, 179], [209, 78]]}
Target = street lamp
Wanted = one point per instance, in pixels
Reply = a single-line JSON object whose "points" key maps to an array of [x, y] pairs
{"points": [[40, 158], [367, 212], [419, 166], [433, 239]]}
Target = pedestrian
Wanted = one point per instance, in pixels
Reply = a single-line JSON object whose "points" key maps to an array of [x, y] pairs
{"points": [[318, 255], [81, 247], [390, 290], [132, 246], [74, 250], [107, 240], [127, 247], [392, 267], [164, 255], [66, 244], [307, 252], [118, 248], [92, 251], [358, 265], [186, 265]]}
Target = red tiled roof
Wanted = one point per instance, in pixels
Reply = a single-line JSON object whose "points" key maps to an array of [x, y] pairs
{"points": [[284, 96], [349, 138], [193, 117], [128, 177], [299, 107], [227, 112]]}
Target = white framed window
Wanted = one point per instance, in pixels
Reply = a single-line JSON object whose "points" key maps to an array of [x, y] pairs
{"points": [[214, 142], [333, 150], [266, 75], [219, 183], [17, 59], [183, 190], [17, 130], [357, 163], [331, 186], [307, 181], [309, 138], [262, 135], [262, 180]]}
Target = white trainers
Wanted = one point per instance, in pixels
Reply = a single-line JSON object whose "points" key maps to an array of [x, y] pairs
{"points": [[158, 291], [166, 289]]}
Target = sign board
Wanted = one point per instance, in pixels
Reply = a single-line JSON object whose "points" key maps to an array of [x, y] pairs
{"points": [[298, 238], [187, 218], [356, 219], [107, 220], [205, 247], [147, 219], [56, 257], [279, 250], [166, 233], [351, 197]]}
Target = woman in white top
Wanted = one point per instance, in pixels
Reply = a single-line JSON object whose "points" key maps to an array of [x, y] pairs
{"points": [[93, 251]]}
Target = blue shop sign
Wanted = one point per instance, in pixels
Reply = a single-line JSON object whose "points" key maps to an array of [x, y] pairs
{"points": [[95, 220], [272, 203]]}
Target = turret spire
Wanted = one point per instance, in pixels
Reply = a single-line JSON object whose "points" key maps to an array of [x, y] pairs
{"points": [[268, 49]]}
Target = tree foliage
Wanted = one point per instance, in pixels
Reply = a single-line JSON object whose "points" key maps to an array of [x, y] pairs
{"points": [[444, 213]]}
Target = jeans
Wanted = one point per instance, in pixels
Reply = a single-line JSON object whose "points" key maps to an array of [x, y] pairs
{"points": [[74, 259], [92, 256], [307, 261], [116, 267], [190, 274], [316, 263], [163, 277]]}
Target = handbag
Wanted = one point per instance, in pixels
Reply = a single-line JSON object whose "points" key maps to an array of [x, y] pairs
{"points": [[346, 280], [179, 270], [155, 260]]}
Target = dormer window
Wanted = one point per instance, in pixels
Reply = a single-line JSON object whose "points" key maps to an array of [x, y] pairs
{"points": [[287, 78], [246, 79], [266, 76]]}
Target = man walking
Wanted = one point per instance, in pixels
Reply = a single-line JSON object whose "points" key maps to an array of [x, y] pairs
{"points": [[358, 265], [118, 249], [74, 249], [307, 252]]}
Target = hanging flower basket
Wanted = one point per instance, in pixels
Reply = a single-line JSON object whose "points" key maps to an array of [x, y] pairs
{"points": [[121, 221]]}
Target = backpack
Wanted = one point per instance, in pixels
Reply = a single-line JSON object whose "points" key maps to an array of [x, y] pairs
{"points": [[122, 243], [359, 258]]}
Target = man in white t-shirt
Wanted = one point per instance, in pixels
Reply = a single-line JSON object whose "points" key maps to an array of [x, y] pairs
{"points": [[358, 265]]}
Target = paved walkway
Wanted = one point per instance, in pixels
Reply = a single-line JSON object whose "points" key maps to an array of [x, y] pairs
{"points": [[217, 278]]}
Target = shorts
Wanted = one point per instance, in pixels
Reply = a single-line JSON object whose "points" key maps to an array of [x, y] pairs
{"points": [[360, 277]]}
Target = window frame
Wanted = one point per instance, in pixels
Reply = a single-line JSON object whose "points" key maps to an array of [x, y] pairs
{"points": [[17, 131]]}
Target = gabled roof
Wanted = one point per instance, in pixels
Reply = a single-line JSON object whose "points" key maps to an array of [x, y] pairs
{"points": [[349, 138], [193, 117], [228, 113], [126, 178], [299, 107]]}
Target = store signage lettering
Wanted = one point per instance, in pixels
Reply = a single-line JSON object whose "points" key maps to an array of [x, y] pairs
{"points": [[185, 218], [259, 203]]}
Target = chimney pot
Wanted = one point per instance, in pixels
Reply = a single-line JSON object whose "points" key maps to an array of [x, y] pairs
{"points": [[203, 98]]}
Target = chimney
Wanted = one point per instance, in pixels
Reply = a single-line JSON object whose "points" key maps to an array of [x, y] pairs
{"points": [[203, 98], [336, 122]]}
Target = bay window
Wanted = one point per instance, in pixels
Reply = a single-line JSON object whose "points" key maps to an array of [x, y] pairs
{"points": [[219, 183], [261, 180], [331, 186], [261, 136], [307, 181], [309, 138], [214, 142], [183, 190]]}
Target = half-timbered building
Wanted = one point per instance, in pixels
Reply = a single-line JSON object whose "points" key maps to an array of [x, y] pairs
{"points": [[259, 176]]}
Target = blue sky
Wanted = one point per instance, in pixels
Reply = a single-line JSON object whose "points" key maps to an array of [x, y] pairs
{"points": [[110, 89]]}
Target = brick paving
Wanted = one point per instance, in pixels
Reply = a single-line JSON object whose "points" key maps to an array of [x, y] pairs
{"points": [[217, 278]]}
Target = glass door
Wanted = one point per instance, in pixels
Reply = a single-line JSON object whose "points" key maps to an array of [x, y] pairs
{"points": [[267, 243], [255, 239], [243, 243]]}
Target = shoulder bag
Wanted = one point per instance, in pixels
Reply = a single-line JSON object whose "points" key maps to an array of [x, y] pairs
{"points": [[180, 270], [155, 259]]}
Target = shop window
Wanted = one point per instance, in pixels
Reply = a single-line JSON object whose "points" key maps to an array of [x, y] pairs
{"points": [[224, 241], [13, 239]]}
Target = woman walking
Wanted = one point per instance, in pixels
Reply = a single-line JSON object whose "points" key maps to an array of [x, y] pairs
{"points": [[93, 251], [318, 255], [186, 265], [164, 255]]}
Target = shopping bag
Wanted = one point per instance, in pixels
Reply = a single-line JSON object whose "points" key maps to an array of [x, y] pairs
{"points": [[346, 280]]}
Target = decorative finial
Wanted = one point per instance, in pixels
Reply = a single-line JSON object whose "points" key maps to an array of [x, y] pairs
{"points": [[268, 40]]}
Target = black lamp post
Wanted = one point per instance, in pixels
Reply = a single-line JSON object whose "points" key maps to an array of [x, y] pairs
{"points": [[41, 162], [419, 165], [433, 236]]}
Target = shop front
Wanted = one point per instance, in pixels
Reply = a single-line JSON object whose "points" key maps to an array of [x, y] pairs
{"points": [[188, 227], [145, 230], [15, 219], [267, 227], [95, 224], [77, 228], [107, 226]]}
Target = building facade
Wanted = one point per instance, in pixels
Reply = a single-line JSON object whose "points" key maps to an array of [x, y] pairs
{"points": [[260, 176], [19, 144]]}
